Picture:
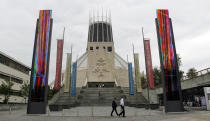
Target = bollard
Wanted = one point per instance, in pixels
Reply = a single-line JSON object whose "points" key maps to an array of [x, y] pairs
{"points": [[48, 112], [92, 110], [10, 109], [149, 111], [135, 113], [62, 112], [164, 113], [77, 112]]}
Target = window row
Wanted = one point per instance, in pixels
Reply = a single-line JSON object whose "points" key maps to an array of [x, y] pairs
{"points": [[109, 49], [13, 64], [100, 32], [12, 79]]}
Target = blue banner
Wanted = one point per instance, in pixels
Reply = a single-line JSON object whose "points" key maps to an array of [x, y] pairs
{"points": [[130, 74], [74, 78]]}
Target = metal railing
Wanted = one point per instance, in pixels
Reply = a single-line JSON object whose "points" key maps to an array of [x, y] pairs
{"points": [[198, 74]]}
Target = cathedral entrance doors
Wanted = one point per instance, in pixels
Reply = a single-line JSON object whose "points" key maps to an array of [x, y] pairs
{"points": [[102, 84]]}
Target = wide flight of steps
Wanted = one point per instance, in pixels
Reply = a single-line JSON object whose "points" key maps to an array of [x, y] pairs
{"points": [[90, 97], [66, 101]]}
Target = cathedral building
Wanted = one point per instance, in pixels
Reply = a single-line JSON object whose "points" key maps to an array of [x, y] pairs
{"points": [[100, 64]]}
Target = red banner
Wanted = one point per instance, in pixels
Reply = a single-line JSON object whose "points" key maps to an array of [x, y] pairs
{"points": [[57, 82], [148, 61]]}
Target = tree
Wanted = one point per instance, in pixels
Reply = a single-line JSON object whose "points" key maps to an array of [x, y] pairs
{"points": [[6, 90], [143, 82], [51, 92], [157, 76], [181, 74], [179, 61], [192, 73], [25, 90]]}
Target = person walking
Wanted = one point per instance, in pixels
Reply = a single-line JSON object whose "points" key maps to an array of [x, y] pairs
{"points": [[114, 107], [122, 104]]}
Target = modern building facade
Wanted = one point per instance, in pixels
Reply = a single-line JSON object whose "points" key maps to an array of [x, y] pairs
{"points": [[15, 72], [100, 64]]}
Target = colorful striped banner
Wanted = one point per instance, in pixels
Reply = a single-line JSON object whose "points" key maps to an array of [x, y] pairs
{"points": [[40, 61], [168, 54]]}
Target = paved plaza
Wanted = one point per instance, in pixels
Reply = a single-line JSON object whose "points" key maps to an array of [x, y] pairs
{"points": [[103, 114]]}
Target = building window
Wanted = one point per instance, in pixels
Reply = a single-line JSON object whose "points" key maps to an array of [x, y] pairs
{"points": [[91, 48], [8, 62], [104, 47], [97, 47], [109, 49], [12, 79]]}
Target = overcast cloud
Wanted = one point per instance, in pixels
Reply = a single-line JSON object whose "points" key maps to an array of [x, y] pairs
{"points": [[191, 25]]}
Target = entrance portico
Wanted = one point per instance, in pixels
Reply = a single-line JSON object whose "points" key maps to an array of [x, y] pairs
{"points": [[103, 84]]}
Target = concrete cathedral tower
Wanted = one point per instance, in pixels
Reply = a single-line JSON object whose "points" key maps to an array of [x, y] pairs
{"points": [[100, 64], [100, 49]]}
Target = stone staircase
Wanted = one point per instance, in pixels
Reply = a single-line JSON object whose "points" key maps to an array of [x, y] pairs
{"points": [[66, 101], [134, 100], [90, 97]]}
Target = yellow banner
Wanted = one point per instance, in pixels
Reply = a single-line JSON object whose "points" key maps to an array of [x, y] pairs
{"points": [[67, 73], [137, 73]]}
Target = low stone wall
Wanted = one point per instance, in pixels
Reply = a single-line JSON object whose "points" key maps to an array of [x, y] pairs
{"points": [[55, 96], [6, 107], [13, 99], [152, 95], [59, 93]]}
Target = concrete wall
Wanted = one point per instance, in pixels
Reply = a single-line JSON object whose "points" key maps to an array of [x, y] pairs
{"points": [[191, 83], [81, 77], [152, 95], [186, 84], [121, 76], [100, 62], [195, 82], [14, 72], [13, 99], [16, 86]]}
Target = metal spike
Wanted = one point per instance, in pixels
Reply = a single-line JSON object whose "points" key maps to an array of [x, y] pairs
{"points": [[98, 13], [89, 17], [110, 19], [93, 16], [63, 33], [106, 15], [133, 48], [127, 58], [102, 14]]}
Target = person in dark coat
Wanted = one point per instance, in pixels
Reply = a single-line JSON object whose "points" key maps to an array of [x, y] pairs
{"points": [[114, 107]]}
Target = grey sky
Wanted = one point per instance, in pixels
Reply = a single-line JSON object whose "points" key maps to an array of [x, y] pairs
{"points": [[190, 19]]}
